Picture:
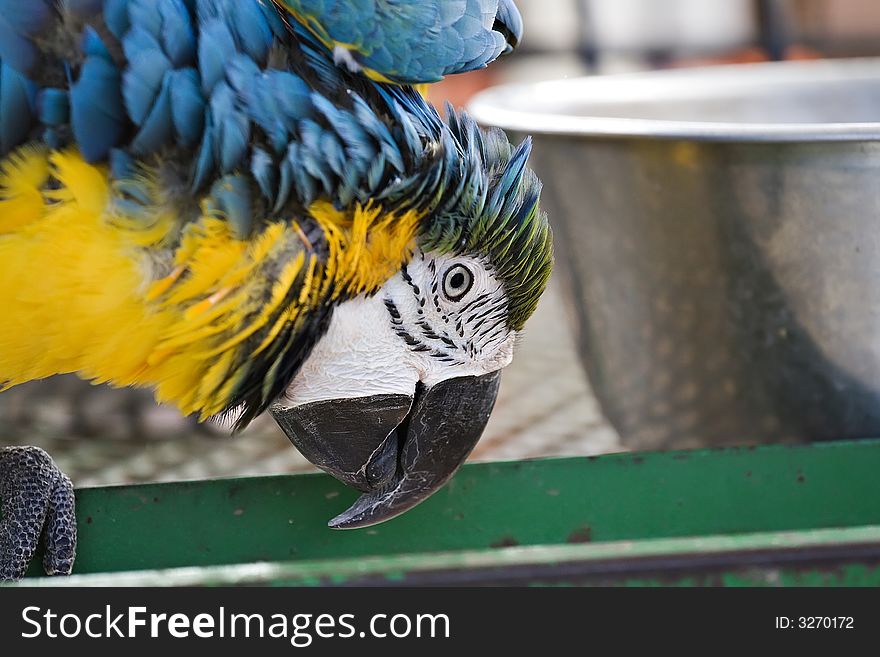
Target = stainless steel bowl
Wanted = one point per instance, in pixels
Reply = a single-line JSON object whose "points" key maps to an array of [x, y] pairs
{"points": [[719, 234]]}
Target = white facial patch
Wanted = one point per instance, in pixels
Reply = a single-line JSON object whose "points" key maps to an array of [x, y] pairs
{"points": [[440, 317], [359, 356], [453, 316]]}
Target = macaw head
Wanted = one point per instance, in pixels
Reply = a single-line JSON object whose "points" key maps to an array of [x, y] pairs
{"points": [[397, 392]]}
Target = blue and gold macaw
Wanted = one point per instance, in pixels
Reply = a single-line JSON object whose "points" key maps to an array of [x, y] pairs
{"points": [[247, 205]]}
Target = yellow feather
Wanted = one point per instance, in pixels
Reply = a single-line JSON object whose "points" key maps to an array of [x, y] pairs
{"points": [[22, 176], [367, 247], [153, 302]]}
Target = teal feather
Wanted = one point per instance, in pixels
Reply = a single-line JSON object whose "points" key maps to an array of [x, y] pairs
{"points": [[417, 42]]}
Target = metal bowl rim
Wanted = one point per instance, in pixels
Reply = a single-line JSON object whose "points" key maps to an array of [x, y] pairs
{"points": [[495, 106]]}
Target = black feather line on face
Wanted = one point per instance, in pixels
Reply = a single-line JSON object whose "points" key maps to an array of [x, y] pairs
{"points": [[409, 281], [478, 316], [414, 343], [428, 331], [479, 300], [393, 311], [490, 330]]}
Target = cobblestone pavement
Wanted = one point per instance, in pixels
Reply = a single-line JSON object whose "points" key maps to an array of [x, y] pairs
{"points": [[101, 436]]}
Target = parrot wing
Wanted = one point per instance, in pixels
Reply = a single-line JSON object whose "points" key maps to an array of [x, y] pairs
{"points": [[412, 41]]}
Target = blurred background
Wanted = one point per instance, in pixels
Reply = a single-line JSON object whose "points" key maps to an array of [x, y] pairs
{"points": [[546, 408]]}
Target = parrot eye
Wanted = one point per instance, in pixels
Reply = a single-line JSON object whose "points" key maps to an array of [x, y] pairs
{"points": [[457, 282]]}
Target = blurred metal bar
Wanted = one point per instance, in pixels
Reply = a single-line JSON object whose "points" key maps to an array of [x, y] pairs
{"points": [[774, 33], [587, 48]]}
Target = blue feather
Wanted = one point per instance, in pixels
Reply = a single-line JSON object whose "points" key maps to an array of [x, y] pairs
{"points": [[16, 50], [92, 46], [52, 139], [232, 126], [285, 184], [216, 45], [138, 41], [27, 18], [53, 106], [158, 128], [242, 72], [265, 172], [333, 153], [293, 174], [313, 156], [231, 197], [276, 101], [144, 14], [379, 131], [116, 17], [83, 8], [20, 24], [187, 105], [358, 145], [254, 34], [292, 94], [122, 164], [211, 78], [142, 82], [97, 115], [413, 42], [510, 18], [273, 19], [512, 174], [376, 174], [178, 37], [133, 190], [17, 96], [205, 161]]}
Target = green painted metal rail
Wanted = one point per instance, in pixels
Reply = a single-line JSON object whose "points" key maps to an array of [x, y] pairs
{"points": [[766, 515]]}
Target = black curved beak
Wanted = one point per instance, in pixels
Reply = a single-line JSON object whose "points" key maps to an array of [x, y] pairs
{"points": [[352, 439], [398, 450], [509, 23]]}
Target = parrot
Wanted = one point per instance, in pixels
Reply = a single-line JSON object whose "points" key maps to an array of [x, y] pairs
{"points": [[248, 206]]}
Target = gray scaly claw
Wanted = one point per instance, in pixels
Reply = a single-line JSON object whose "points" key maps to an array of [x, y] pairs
{"points": [[37, 504]]}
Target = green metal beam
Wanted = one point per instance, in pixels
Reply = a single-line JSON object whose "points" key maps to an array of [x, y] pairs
{"points": [[825, 556], [588, 506]]}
